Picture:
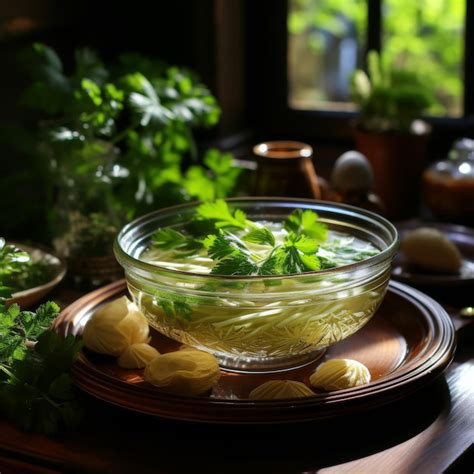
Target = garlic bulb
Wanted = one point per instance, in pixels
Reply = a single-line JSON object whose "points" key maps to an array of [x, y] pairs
{"points": [[279, 389], [185, 372], [137, 356], [430, 249], [338, 374], [114, 327]]}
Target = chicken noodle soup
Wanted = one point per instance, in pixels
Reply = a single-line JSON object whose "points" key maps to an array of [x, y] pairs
{"points": [[263, 295]]}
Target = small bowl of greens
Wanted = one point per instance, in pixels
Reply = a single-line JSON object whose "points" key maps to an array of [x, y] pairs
{"points": [[261, 283], [27, 273]]}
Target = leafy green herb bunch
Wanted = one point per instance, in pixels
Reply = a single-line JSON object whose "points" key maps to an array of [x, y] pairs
{"points": [[35, 383], [120, 139], [390, 98], [240, 246], [19, 271]]}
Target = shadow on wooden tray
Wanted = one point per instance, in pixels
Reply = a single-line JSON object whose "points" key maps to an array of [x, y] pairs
{"points": [[173, 446]]}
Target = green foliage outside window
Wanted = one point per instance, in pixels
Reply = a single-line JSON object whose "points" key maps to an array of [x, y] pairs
{"points": [[426, 35], [390, 98], [318, 16]]}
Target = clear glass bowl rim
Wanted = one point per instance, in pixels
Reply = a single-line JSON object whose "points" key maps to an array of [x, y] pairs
{"points": [[385, 255]]}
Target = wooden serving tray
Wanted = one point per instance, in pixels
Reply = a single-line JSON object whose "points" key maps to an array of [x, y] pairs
{"points": [[408, 342]]}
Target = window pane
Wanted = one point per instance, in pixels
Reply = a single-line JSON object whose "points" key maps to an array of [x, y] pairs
{"points": [[326, 42], [428, 36]]}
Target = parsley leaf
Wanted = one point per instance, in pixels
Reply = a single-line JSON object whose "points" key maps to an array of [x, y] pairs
{"points": [[297, 255], [271, 266], [12, 263], [237, 264], [168, 239], [176, 307], [261, 236], [342, 252], [35, 385], [306, 223], [219, 212], [36, 323], [232, 256], [147, 103], [304, 248], [302, 243], [217, 181], [223, 245], [19, 272], [219, 163]]}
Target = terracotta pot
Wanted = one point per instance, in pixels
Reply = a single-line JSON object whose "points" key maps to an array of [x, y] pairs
{"points": [[397, 161], [285, 168]]}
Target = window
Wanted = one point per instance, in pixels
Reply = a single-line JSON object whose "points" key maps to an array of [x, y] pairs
{"points": [[328, 39], [326, 42]]}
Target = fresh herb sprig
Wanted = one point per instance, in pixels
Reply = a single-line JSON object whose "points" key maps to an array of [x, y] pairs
{"points": [[35, 385], [262, 236], [306, 223], [132, 119], [342, 252], [219, 216], [219, 212], [176, 306], [18, 271], [298, 255], [12, 263], [168, 239], [239, 246], [232, 253]]}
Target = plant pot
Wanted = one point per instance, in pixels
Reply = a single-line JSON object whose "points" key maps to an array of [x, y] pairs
{"points": [[397, 161]]}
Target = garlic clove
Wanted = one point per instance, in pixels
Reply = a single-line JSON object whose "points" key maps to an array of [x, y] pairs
{"points": [[185, 372], [339, 374], [280, 389], [114, 327], [430, 249], [137, 356]]}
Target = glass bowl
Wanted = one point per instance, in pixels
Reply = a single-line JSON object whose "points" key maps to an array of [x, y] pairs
{"points": [[260, 323]]}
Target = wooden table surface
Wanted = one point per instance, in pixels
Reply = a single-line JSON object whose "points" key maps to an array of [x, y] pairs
{"points": [[429, 431]]}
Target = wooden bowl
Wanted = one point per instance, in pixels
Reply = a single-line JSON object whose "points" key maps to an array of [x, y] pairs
{"points": [[28, 298]]}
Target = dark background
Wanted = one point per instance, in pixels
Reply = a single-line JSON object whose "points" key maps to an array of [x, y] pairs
{"points": [[238, 47]]}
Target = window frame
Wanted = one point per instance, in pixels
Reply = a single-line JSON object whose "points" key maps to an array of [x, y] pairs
{"points": [[267, 79]]}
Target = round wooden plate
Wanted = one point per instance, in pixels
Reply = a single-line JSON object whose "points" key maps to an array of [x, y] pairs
{"points": [[462, 237], [408, 342]]}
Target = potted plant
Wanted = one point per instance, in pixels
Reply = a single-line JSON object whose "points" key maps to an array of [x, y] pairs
{"points": [[119, 142], [390, 133]]}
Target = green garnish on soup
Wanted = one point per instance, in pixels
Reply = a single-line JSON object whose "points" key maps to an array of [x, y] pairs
{"points": [[225, 242]]}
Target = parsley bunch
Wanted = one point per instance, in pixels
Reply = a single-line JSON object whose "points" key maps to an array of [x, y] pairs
{"points": [[18, 271], [297, 253], [229, 245], [132, 119], [35, 385]]}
